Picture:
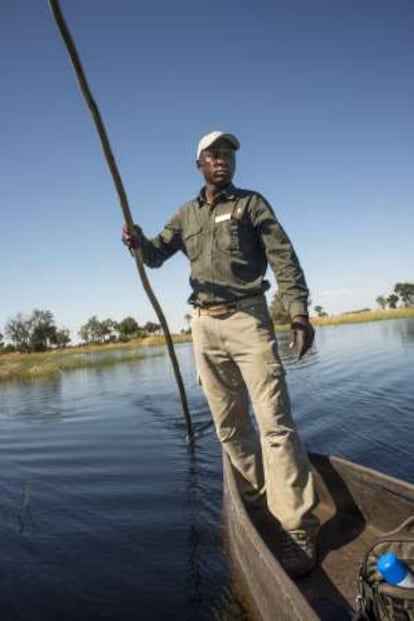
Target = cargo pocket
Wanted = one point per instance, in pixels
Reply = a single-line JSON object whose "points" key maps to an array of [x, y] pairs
{"points": [[261, 315]]}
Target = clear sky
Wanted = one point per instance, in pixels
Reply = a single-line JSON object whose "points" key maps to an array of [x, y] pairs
{"points": [[320, 94]]}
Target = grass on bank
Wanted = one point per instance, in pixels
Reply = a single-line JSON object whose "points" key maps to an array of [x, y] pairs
{"points": [[358, 317], [52, 364]]}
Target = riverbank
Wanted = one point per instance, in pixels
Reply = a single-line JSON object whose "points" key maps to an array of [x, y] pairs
{"points": [[359, 317], [50, 365]]}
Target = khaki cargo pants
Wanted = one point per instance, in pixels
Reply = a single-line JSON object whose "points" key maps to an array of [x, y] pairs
{"points": [[237, 358]]}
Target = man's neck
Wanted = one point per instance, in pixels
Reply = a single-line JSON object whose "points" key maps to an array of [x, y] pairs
{"points": [[212, 191]]}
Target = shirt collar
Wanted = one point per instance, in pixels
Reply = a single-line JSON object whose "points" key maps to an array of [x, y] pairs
{"points": [[227, 193]]}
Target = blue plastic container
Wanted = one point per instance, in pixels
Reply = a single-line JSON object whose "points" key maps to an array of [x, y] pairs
{"points": [[394, 571]]}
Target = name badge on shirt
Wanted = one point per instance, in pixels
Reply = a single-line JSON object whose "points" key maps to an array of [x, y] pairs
{"points": [[223, 218]]}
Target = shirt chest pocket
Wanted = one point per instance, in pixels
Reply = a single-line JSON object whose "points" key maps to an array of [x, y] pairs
{"points": [[193, 242], [235, 236], [227, 235]]}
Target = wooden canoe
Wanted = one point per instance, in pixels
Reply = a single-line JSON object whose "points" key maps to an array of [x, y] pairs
{"points": [[357, 505]]}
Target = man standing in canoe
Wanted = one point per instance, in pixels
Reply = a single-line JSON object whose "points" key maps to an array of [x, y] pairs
{"points": [[230, 236]]}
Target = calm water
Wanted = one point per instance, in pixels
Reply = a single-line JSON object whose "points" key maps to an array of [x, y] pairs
{"points": [[105, 513]]}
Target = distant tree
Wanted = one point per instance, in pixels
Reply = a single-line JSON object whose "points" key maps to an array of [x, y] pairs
{"points": [[357, 311], [35, 333], [91, 331], [319, 311], [127, 329], [278, 311], [62, 338], [151, 328], [392, 300], [106, 329], [42, 329], [1, 341], [381, 301], [187, 318], [17, 330], [406, 292], [84, 333]]}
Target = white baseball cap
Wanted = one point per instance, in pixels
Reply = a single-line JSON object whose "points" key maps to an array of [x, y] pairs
{"points": [[207, 140]]}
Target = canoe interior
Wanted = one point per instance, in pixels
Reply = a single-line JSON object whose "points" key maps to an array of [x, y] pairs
{"points": [[356, 507]]}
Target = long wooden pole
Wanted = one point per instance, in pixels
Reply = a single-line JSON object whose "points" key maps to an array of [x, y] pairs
{"points": [[100, 127]]}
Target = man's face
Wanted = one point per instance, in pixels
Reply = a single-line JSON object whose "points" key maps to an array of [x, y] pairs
{"points": [[218, 163]]}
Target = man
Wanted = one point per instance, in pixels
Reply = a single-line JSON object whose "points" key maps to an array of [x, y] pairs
{"points": [[229, 236]]}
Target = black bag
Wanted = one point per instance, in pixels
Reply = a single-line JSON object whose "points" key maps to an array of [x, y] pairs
{"points": [[377, 600]]}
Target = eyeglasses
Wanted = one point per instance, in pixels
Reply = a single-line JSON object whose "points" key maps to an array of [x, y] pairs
{"points": [[219, 154]]}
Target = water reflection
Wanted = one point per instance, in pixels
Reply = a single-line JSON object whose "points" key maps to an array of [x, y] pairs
{"points": [[406, 331], [18, 512]]}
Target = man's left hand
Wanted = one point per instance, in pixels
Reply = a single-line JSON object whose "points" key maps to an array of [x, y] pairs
{"points": [[302, 334]]}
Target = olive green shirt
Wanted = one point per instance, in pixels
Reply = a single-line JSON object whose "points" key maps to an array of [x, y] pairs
{"points": [[229, 245]]}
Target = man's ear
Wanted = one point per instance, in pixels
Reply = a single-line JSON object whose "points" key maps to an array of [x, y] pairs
{"points": [[198, 164]]}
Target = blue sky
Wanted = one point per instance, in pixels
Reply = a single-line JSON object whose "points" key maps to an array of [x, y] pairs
{"points": [[320, 94]]}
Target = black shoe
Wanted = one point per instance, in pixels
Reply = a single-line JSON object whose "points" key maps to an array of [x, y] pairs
{"points": [[298, 552]]}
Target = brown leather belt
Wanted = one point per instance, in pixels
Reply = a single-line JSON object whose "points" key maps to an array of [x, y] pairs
{"points": [[228, 308], [217, 310]]}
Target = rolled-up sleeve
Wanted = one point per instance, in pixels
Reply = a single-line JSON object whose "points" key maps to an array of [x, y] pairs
{"points": [[160, 248]]}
